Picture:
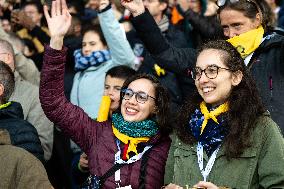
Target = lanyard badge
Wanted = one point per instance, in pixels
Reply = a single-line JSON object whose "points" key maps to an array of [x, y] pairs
{"points": [[118, 160], [205, 172]]}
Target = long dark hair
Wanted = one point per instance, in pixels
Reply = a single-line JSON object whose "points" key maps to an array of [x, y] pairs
{"points": [[245, 105], [161, 101], [250, 8]]}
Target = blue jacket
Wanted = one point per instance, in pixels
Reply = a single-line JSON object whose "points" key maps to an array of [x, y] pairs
{"points": [[88, 85]]}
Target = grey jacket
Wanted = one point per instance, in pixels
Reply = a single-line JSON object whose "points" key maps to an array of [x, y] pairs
{"points": [[28, 96]]}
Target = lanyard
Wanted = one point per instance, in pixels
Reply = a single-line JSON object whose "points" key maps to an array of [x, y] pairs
{"points": [[129, 161], [210, 163]]}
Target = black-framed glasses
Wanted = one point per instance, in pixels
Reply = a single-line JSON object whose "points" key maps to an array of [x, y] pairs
{"points": [[211, 72], [141, 97]]}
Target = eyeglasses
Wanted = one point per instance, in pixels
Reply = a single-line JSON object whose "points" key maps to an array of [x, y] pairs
{"points": [[211, 72], [141, 97]]}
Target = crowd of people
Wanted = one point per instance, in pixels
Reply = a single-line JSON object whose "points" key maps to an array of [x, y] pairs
{"points": [[142, 94]]}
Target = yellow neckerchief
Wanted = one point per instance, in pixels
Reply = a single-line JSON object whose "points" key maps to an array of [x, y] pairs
{"points": [[132, 142], [159, 71], [212, 114], [246, 43], [5, 105]]}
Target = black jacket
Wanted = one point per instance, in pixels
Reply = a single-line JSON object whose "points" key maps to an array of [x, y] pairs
{"points": [[267, 67], [169, 80], [199, 28], [22, 133], [266, 64]]}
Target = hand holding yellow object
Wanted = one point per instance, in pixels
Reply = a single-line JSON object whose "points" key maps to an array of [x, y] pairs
{"points": [[104, 109]]}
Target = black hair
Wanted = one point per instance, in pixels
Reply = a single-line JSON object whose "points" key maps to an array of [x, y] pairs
{"points": [[7, 79], [121, 72], [250, 8]]}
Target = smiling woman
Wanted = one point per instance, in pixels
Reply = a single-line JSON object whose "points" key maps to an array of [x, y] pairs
{"points": [[133, 145], [225, 118]]}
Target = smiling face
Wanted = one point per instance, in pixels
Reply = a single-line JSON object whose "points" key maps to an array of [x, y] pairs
{"points": [[235, 22], [92, 42], [134, 111], [214, 91], [112, 89]]}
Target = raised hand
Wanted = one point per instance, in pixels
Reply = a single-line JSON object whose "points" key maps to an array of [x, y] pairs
{"points": [[136, 7], [58, 22], [103, 4]]}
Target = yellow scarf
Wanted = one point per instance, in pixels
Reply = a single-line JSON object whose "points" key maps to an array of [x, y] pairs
{"points": [[246, 43], [212, 114], [132, 142]]}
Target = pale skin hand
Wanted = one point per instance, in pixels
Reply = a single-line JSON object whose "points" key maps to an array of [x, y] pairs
{"points": [[136, 7], [83, 162], [207, 185], [58, 22], [103, 4], [173, 186]]}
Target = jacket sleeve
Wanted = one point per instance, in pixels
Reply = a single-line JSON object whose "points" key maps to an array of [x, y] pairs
{"points": [[177, 60], [43, 125], [121, 52], [271, 157], [71, 119], [27, 69], [208, 26]]}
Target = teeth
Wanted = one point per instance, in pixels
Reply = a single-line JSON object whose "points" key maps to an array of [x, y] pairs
{"points": [[207, 89], [131, 110]]}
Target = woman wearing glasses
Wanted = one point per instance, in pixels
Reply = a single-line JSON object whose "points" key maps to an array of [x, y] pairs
{"points": [[247, 24], [226, 139], [128, 151]]}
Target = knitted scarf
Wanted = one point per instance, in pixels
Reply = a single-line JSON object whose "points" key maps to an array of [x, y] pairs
{"points": [[132, 133], [94, 59], [146, 128], [214, 132]]}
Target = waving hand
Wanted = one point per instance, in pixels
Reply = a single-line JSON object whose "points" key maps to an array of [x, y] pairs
{"points": [[58, 22]]}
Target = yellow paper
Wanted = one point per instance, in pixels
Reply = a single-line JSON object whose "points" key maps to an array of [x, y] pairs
{"points": [[104, 109]]}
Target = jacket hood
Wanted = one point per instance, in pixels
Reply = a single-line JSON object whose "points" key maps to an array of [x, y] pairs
{"points": [[14, 110]]}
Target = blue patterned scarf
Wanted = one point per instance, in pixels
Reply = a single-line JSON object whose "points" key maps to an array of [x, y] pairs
{"points": [[213, 134], [146, 128], [94, 59]]}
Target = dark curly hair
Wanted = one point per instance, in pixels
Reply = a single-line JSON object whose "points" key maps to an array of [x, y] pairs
{"points": [[162, 100], [244, 102]]}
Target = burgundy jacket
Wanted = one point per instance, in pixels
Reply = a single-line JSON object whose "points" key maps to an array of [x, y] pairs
{"points": [[95, 139]]}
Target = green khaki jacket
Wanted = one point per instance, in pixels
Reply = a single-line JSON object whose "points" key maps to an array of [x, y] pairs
{"points": [[260, 166]]}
